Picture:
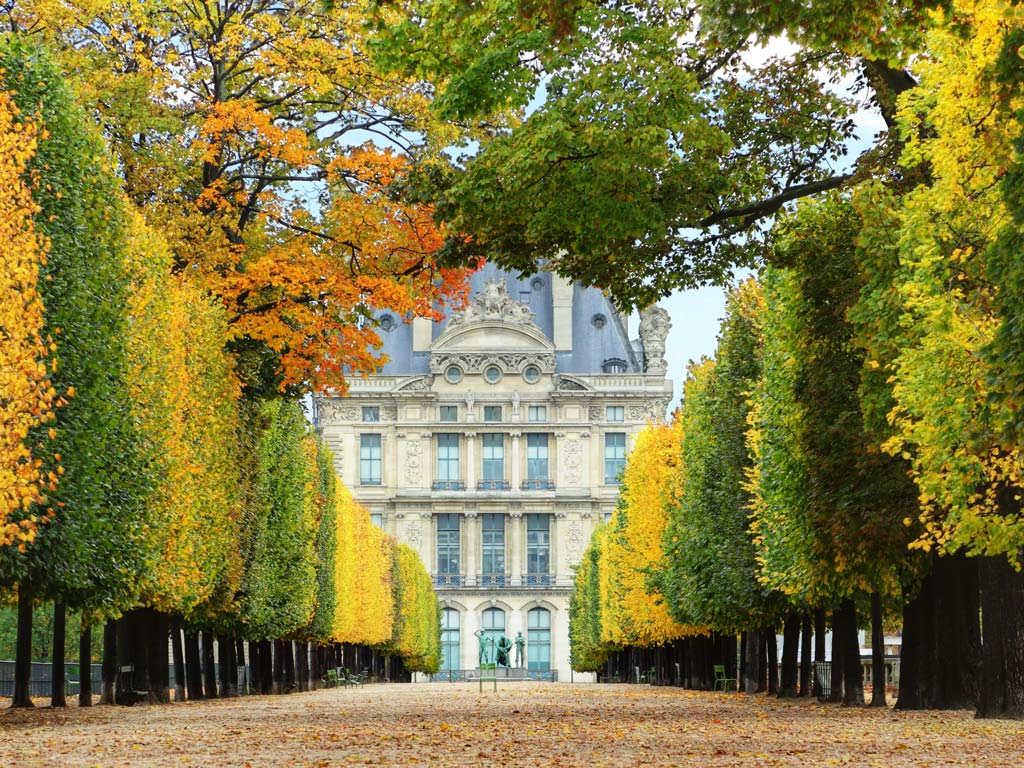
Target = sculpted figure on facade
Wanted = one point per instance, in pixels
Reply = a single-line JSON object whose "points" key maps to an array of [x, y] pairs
{"points": [[493, 303], [654, 328]]}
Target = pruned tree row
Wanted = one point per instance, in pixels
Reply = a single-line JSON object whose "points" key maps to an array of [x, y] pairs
{"points": [[147, 484]]}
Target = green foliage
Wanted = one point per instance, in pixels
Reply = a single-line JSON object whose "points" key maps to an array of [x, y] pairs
{"points": [[653, 153], [326, 544], [830, 506], [90, 553], [710, 576], [279, 580], [587, 652]]}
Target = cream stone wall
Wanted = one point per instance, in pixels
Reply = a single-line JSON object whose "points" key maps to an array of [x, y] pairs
{"points": [[409, 499]]}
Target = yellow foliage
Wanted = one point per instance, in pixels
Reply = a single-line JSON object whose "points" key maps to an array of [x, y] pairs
{"points": [[27, 397], [364, 611], [184, 394], [634, 613]]}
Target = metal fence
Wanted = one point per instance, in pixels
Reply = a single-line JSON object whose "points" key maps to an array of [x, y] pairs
{"points": [[40, 683]]}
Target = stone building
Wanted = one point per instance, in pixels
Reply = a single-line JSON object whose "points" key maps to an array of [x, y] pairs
{"points": [[491, 443]]}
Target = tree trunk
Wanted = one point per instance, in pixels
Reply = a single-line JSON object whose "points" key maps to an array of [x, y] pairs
{"points": [[179, 660], [819, 649], [228, 670], [132, 670], [751, 676], [940, 660], [289, 665], [790, 650], [771, 655], [835, 693], [805, 655], [109, 673], [877, 652], [243, 679], [85, 666], [853, 673], [193, 666], [22, 696], [156, 631], [1002, 616], [209, 670], [59, 673], [266, 667], [302, 667]]}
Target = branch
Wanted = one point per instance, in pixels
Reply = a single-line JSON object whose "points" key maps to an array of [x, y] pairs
{"points": [[762, 208]]}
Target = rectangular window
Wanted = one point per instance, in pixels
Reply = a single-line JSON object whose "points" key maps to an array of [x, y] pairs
{"points": [[614, 455], [449, 413], [538, 547], [492, 413], [369, 460], [537, 413], [494, 457], [537, 457], [448, 544], [371, 413], [447, 458], [615, 413], [493, 549], [377, 519]]}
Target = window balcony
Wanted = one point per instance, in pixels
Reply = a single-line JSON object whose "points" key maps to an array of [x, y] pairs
{"points": [[492, 485], [538, 485], [538, 579], [448, 485], [494, 580], [449, 580]]}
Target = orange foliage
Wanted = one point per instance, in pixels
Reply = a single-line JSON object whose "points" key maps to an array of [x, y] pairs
{"points": [[27, 397], [236, 129]]}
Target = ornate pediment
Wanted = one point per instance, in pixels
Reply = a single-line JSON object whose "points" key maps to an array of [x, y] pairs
{"points": [[493, 330]]}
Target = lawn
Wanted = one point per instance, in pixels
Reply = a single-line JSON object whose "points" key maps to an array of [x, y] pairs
{"points": [[523, 724]]}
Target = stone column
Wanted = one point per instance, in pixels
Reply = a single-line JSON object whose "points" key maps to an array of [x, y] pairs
{"points": [[515, 520], [471, 461], [517, 474], [559, 564], [470, 546]]}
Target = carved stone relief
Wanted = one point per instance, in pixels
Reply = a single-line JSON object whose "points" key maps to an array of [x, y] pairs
{"points": [[493, 303], [574, 540], [573, 462], [413, 534], [476, 362], [596, 413], [413, 462]]}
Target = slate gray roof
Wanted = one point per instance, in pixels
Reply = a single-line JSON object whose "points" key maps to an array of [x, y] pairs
{"points": [[592, 345]]}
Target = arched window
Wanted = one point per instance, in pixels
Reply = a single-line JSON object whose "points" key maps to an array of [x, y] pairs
{"points": [[613, 365], [450, 658], [538, 639], [493, 625]]}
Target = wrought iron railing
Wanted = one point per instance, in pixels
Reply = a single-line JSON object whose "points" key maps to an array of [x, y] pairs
{"points": [[494, 579], [492, 485], [449, 579], [538, 485], [538, 579], [448, 485]]}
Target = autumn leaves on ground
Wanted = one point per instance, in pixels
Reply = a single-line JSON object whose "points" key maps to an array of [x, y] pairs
{"points": [[523, 725]]}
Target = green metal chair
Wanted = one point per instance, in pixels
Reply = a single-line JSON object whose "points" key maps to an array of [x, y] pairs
{"points": [[724, 681]]}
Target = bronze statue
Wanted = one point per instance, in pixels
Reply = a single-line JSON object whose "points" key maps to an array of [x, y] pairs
{"points": [[520, 643], [504, 646]]}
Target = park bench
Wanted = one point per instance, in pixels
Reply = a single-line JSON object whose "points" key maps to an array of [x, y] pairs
{"points": [[331, 678], [72, 680], [350, 678], [723, 680], [127, 692]]}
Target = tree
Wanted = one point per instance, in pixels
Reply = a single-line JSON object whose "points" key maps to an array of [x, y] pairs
{"points": [[657, 154], [587, 651], [245, 139]]}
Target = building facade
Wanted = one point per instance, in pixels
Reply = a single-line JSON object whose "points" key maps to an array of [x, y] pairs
{"points": [[491, 443]]}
